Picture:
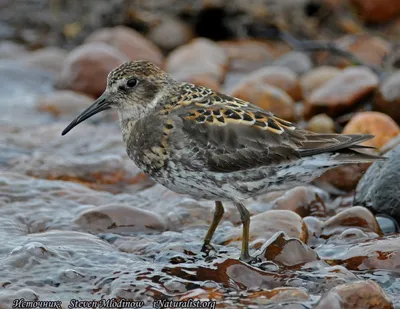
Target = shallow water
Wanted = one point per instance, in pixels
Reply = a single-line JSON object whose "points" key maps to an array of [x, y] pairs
{"points": [[79, 220]]}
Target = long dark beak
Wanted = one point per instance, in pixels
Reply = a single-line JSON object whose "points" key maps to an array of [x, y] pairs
{"points": [[99, 105]]}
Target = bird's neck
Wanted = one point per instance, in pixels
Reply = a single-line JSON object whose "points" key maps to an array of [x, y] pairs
{"points": [[128, 117]]}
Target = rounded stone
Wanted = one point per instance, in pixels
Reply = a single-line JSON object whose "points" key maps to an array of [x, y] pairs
{"points": [[170, 33], [378, 190], [321, 123], [298, 62], [345, 177], [129, 42], [341, 92], [117, 219], [316, 78], [201, 57], [304, 201], [368, 48], [267, 97], [86, 62], [376, 11], [354, 217], [49, 59], [264, 225], [248, 55], [63, 103], [282, 78], [359, 294], [388, 98], [380, 125]]}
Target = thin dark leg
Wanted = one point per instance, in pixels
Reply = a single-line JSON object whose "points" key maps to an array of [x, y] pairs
{"points": [[245, 217], [218, 213]]}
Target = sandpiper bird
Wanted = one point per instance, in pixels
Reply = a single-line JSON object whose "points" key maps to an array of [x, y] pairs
{"points": [[194, 140]]}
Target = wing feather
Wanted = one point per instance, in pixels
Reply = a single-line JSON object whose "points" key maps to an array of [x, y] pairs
{"points": [[234, 135]]}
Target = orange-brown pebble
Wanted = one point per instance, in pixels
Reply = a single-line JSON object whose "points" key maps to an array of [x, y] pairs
{"points": [[86, 62], [277, 295], [304, 201], [117, 219], [378, 124], [361, 294], [345, 177], [341, 92], [321, 123], [280, 77], [247, 55], [129, 42], [366, 254], [370, 49], [286, 251], [353, 217], [376, 11], [264, 225], [316, 78], [267, 97], [201, 57], [388, 98]]}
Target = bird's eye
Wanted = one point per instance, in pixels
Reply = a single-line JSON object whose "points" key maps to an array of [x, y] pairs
{"points": [[131, 83]]}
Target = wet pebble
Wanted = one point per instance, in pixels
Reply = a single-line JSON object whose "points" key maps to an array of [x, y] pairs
{"points": [[88, 60], [370, 49], [286, 251], [354, 217], [49, 59], [388, 99], [267, 97], [387, 224], [282, 78], [248, 55], [317, 77], [364, 254], [314, 227], [361, 294], [129, 42], [63, 103], [298, 62], [170, 33], [321, 123], [378, 189], [201, 59], [229, 272], [341, 92], [288, 295], [94, 156], [120, 219], [264, 225], [345, 177], [376, 11], [305, 201], [378, 124]]}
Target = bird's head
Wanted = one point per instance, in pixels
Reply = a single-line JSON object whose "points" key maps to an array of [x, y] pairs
{"points": [[134, 88]]}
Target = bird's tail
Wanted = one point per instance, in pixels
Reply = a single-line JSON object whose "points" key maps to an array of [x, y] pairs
{"points": [[345, 147]]}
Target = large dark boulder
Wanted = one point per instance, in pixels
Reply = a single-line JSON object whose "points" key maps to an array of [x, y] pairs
{"points": [[379, 189]]}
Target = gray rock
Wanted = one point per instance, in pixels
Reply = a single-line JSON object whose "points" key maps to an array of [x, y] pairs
{"points": [[378, 190], [298, 62]]}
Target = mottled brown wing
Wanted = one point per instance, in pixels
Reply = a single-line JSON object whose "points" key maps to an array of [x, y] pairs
{"points": [[231, 134]]}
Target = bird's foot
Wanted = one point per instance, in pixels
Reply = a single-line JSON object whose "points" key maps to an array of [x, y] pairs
{"points": [[247, 258], [207, 248]]}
